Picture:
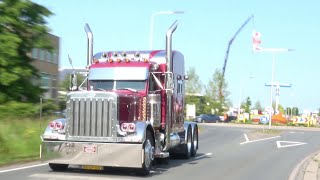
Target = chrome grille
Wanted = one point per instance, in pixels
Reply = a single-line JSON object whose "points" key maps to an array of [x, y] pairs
{"points": [[91, 115]]}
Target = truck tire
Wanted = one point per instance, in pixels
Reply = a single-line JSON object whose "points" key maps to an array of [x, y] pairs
{"points": [[188, 145], [58, 167], [148, 147], [195, 142]]}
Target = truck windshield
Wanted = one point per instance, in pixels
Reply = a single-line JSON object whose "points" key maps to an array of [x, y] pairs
{"points": [[138, 85]]}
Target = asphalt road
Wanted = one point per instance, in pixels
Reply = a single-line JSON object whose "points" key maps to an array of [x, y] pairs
{"points": [[226, 152]]}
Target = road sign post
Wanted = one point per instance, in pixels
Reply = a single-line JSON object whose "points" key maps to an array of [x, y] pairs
{"points": [[264, 120]]}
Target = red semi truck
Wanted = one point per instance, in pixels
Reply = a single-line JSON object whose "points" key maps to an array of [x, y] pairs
{"points": [[131, 113]]}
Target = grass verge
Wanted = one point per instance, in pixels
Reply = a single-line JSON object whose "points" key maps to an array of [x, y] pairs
{"points": [[269, 131], [20, 139]]}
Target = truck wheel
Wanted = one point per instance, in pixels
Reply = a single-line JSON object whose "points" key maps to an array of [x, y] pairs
{"points": [[148, 147], [195, 142], [188, 145], [58, 167]]}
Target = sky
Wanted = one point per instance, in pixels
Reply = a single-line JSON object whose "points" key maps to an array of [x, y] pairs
{"points": [[203, 33]]}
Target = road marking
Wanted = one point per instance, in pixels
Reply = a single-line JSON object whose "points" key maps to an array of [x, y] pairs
{"points": [[289, 144], [25, 167], [246, 137], [293, 132], [64, 176], [202, 156], [247, 140]]}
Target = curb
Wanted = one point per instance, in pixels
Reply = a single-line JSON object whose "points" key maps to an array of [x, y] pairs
{"points": [[307, 169]]}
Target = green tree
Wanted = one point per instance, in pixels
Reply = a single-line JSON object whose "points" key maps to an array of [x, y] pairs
{"points": [[246, 105], [22, 27], [193, 84], [288, 111], [295, 111], [194, 90], [281, 109], [220, 101], [258, 106]]}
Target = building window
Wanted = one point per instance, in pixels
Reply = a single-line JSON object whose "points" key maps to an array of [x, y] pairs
{"points": [[45, 81], [42, 54], [55, 58], [48, 56], [35, 53], [54, 81]]}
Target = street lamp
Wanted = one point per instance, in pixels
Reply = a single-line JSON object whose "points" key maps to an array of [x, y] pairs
{"points": [[152, 22], [273, 51]]}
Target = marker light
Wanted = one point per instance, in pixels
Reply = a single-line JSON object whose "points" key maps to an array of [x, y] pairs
{"points": [[145, 60], [128, 127], [132, 127], [118, 60], [127, 60], [110, 60], [56, 125], [95, 61]]}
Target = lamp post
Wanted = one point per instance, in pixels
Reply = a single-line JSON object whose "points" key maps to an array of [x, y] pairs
{"points": [[273, 51], [152, 22]]}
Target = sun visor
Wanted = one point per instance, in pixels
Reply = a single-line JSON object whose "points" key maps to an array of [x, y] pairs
{"points": [[118, 73]]}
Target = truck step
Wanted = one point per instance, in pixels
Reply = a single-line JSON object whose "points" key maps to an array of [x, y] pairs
{"points": [[162, 155]]}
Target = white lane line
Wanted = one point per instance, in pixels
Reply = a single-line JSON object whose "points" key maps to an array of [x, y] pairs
{"points": [[80, 177], [259, 140], [199, 157], [25, 167], [246, 137]]}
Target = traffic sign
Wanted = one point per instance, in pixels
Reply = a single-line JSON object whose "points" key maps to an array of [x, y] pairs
{"points": [[264, 120]]}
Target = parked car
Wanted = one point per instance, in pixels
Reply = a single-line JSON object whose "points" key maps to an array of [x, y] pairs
{"points": [[207, 118]]}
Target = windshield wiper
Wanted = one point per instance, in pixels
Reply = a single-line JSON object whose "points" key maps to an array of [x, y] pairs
{"points": [[130, 89]]}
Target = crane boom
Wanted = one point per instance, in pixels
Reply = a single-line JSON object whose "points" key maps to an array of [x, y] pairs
{"points": [[228, 49]]}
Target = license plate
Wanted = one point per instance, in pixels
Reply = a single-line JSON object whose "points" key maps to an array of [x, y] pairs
{"points": [[89, 167], [91, 149]]}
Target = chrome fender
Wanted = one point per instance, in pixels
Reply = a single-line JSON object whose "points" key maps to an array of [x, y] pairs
{"points": [[141, 129], [52, 134]]}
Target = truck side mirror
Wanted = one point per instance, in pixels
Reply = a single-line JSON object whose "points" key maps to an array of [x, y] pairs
{"points": [[73, 82]]}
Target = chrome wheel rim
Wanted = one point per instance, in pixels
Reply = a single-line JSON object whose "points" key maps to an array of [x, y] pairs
{"points": [[195, 141], [189, 144], [148, 153]]}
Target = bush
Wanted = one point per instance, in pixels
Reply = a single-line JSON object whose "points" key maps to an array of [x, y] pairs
{"points": [[23, 109], [49, 106], [18, 109]]}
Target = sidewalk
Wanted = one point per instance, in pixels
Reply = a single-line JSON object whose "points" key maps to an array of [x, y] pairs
{"points": [[308, 168]]}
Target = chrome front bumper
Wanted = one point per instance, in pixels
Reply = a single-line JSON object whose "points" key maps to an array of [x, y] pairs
{"points": [[99, 154]]}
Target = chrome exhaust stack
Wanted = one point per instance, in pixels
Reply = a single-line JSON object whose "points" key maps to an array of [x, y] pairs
{"points": [[169, 82], [90, 44]]}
